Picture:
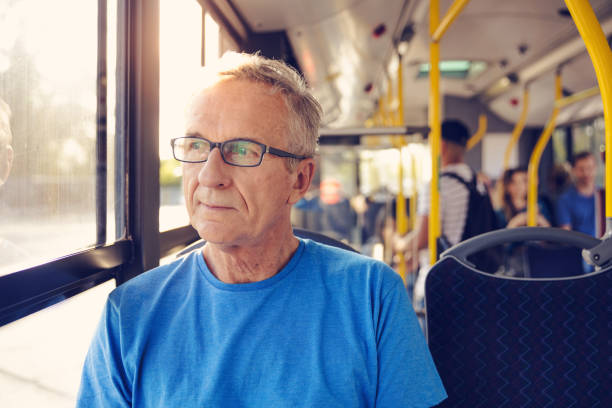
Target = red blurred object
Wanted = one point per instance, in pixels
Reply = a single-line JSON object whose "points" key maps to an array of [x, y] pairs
{"points": [[329, 191], [514, 102]]}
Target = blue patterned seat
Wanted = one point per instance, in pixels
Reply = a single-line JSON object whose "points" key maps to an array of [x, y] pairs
{"points": [[507, 342]]}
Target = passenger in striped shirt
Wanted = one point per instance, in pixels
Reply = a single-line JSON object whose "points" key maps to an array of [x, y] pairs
{"points": [[454, 195]]}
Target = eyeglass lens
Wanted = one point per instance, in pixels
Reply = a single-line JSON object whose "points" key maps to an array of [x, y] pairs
{"points": [[238, 152]]}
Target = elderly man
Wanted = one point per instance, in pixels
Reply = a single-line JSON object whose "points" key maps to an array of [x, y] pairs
{"points": [[258, 317]]}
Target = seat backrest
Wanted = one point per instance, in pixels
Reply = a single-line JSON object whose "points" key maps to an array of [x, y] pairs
{"points": [[552, 261], [508, 342]]}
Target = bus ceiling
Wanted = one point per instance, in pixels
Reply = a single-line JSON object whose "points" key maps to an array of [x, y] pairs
{"points": [[347, 51]]}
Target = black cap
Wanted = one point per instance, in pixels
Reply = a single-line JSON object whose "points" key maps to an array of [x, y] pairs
{"points": [[455, 131]]}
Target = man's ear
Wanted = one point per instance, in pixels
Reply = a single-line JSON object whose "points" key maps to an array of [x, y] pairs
{"points": [[303, 178]]}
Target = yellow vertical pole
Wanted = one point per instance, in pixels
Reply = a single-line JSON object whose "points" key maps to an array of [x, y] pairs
{"points": [[400, 208], [413, 199], [400, 92], [435, 131], [518, 129], [389, 105], [536, 155], [599, 51]]}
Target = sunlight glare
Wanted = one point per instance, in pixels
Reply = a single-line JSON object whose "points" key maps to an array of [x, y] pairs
{"points": [[180, 59]]}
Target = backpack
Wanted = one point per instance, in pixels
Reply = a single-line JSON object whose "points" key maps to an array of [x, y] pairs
{"points": [[480, 218]]}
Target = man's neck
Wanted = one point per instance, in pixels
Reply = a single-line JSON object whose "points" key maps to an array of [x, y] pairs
{"points": [[586, 190], [252, 263], [448, 162]]}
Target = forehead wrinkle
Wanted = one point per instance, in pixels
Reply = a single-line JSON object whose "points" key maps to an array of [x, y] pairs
{"points": [[263, 110]]}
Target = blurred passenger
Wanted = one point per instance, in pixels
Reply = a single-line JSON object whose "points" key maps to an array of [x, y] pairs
{"points": [[457, 180], [6, 138], [9, 252], [512, 214], [367, 208], [513, 211], [576, 206], [338, 219], [560, 179]]}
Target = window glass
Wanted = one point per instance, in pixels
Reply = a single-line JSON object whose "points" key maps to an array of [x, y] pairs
{"points": [[589, 136], [180, 58], [559, 145], [48, 82], [42, 355], [184, 45]]}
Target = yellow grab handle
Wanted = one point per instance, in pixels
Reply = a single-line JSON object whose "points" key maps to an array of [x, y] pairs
{"points": [[482, 129], [536, 155], [518, 129]]}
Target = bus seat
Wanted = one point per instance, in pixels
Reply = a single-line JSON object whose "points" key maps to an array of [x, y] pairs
{"points": [[519, 342], [552, 261], [302, 233]]}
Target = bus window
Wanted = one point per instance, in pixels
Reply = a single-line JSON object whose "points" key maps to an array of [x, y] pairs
{"points": [[180, 47], [188, 39], [42, 354], [559, 144], [58, 197]]}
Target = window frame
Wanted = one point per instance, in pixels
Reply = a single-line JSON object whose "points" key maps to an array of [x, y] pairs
{"points": [[140, 244]]}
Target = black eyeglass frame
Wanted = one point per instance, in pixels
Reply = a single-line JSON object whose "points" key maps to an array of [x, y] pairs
{"points": [[219, 145]]}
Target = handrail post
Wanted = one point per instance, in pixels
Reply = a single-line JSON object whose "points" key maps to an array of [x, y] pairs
{"points": [[536, 155], [400, 207], [518, 129], [453, 11], [599, 51], [435, 135], [437, 29]]}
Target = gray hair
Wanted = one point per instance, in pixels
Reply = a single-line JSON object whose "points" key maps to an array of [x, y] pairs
{"points": [[5, 124], [305, 112]]}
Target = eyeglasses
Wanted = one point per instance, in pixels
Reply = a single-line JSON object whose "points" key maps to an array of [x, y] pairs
{"points": [[236, 152]]}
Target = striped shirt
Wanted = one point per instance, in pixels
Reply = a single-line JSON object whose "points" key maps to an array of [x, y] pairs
{"points": [[454, 201]]}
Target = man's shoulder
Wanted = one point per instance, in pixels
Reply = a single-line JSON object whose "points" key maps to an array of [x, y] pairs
{"points": [[336, 263], [153, 281], [570, 194], [329, 254], [461, 170]]}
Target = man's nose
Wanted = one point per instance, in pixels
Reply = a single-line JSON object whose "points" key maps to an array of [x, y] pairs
{"points": [[213, 172]]}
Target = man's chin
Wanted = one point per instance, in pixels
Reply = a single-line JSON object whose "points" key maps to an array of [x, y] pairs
{"points": [[218, 234]]}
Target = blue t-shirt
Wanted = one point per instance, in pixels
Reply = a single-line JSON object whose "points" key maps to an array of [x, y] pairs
{"points": [[331, 329], [577, 211]]}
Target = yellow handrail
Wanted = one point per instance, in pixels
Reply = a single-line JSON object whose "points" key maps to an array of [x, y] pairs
{"points": [[390, 117], [482, 129], [434, 135], [536, 155], [437, 29], [451, 15], [400, 208], [577, 97], [600, 54], [518, 129]]}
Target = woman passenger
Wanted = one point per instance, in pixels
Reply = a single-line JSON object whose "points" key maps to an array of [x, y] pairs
{"points": [[513, 211]]}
